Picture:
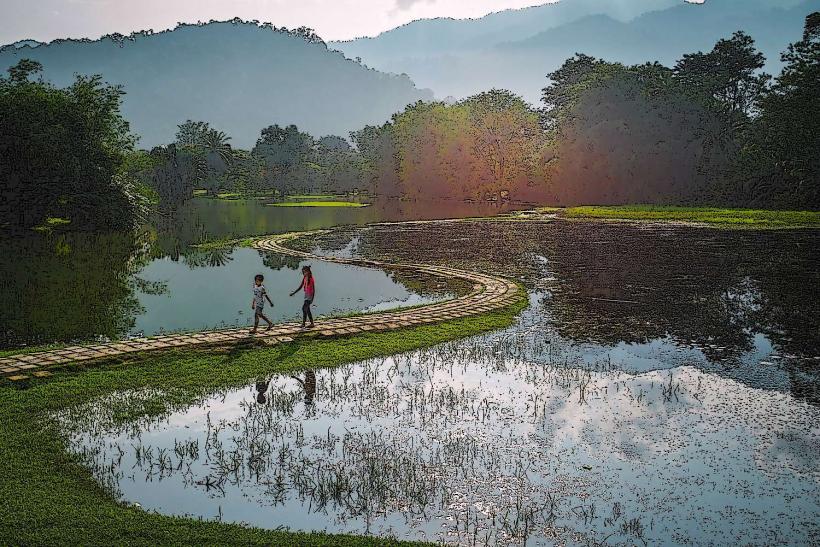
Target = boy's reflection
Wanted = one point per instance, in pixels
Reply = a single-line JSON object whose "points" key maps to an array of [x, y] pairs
{"points": [[261, 388]]}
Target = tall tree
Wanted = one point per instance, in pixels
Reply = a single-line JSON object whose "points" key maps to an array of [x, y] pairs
{"points": [[505, 138], [283, 150], [624, 135], [63, 154], [780, 161], [728, 76], [380, 166]]}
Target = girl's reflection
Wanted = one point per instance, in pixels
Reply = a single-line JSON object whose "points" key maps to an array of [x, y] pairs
{"points": [[308, 385]]}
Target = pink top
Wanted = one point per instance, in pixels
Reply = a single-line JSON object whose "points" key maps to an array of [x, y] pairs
{"points": [[310, 287]]}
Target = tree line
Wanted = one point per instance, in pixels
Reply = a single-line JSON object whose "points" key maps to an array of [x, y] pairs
{"points": [[283, 161], [713, 129]]}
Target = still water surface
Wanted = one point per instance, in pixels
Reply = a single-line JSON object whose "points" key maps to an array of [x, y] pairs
{"points": [[662, 387], [79, 287], [473, 442]]}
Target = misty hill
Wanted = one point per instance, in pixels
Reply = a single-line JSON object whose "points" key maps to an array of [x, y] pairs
{"points": [[442, 35], [238, 76], [515, 49]]}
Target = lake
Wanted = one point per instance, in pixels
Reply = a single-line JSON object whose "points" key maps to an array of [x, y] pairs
{"points": [[662, 387], [77, 287]]}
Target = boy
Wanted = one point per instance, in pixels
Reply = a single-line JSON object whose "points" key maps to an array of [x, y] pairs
{"points": [[258, 302]]}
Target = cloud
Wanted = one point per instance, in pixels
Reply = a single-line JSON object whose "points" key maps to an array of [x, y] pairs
{"points": [[405, 5]]}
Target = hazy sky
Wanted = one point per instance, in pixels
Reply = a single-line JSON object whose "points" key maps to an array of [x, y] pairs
{"points": [[45, 20]]}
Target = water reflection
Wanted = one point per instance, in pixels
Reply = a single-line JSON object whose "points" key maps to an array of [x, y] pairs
{"points": [[81, 287], [69, 287], [737, 300], [203, 218], [472, 442], [185, 306]]}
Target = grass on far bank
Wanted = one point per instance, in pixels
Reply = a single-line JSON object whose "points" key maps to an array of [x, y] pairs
{"points": [[756, 218], [50, 498], [318, 204]]}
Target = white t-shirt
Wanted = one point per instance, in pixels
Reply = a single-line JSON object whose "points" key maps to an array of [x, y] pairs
{"points": [[259, 295]]}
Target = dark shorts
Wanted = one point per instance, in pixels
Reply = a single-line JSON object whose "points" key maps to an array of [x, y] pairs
{"points": [[258, 311]]}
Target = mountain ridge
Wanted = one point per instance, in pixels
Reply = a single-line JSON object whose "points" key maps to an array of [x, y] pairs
{"points": [[519, 61], [237, 75]]}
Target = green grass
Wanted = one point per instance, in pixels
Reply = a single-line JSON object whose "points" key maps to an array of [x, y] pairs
{"points": [[755, 218], [50, 223], [312, 196], [224, 243], [318, 204], [49, 498]]}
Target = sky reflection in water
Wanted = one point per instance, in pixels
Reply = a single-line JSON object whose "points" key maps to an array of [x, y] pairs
{"points": [[488, 440]]}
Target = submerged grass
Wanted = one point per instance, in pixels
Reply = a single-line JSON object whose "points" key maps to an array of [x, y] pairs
{"points": [[736, 218], [50, 498]]}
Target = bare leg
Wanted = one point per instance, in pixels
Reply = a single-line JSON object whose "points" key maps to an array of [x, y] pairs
{"points": [[255, 322], [268, 321]]}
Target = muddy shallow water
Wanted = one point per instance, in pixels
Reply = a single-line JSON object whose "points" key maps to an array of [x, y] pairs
{"points": [[660, 388]]}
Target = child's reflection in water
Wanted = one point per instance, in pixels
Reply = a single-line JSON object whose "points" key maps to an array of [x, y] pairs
{"points": [[308, 385]]}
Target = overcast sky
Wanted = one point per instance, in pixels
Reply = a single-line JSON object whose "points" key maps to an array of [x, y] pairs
{"points": [[45, 20]]}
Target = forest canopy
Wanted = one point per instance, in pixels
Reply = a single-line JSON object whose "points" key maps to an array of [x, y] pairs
{"points": [[62, 153], [711, 130]]}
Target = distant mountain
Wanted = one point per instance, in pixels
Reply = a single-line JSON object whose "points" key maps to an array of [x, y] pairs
{"points": [[515, 49], [24, 43], [238, 76], [442, 36]]}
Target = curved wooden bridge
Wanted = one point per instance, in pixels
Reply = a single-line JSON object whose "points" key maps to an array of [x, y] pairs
{"points": [[488, 293]]}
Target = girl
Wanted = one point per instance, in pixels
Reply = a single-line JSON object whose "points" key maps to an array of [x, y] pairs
{"points": [[310, 291]]}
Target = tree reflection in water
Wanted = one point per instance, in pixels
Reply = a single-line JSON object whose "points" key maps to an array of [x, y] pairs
{"points": [[621, 283]]}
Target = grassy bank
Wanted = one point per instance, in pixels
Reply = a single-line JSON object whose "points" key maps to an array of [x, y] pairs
{"points": [[318, 204], [50, 498], [756, 218]]}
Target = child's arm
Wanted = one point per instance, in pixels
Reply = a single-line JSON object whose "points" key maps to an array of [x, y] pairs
{"points": [[299, 287], [269, 300]]}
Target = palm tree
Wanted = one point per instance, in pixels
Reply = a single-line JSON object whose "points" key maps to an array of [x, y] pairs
{"points": [[216, 142]]}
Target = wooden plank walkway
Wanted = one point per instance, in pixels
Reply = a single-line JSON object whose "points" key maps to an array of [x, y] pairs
{"points": [[488, 293]]}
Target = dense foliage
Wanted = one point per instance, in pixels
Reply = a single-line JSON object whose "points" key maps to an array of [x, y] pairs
{"points": [[486, 146], [780, 162], [62, 154], [712, 130]]}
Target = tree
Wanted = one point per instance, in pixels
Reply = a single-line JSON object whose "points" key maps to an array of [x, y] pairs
{"points": [[333, 143], [216, 144], [380, 167], [208, 152], [727, 77], [63, 154], [173, 175], [505, 139], [192, 133], [566, 84], [283, 151], [625, 135], [779, 163]]}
